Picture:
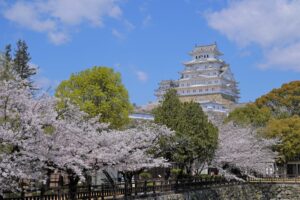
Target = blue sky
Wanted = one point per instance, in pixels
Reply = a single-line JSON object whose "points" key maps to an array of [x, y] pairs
{"points": [[147, 41]]}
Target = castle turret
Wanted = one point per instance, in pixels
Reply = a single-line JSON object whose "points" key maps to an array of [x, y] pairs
{"points": [[208, 80]]}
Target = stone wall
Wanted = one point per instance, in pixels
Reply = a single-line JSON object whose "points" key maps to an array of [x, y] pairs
{"points": [[238, 192]]}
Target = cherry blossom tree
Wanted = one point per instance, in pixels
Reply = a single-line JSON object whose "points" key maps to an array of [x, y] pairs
{"points": [[241, 148], [20, 135], [36, 138]]}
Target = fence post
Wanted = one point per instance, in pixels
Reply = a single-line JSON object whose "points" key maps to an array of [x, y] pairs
{"points": [[42, 191], [23, 193], [145, 187], [126, 190], [102, 191], [153, 187], [90, 191], [114, 191], [135, 187]]}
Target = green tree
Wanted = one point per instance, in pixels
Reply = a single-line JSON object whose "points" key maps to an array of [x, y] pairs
{"points": [[21, 62], [250, 114], [288, 131], [7, 53], [283, 101], [279, 104], [168, 112], [196, 138], [6, 64], [98, 91]]}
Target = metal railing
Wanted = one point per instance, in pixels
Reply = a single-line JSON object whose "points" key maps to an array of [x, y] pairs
{"points": [[121, 190]]}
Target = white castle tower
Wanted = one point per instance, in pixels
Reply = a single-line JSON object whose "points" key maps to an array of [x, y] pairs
{"points": [[208, 80]]}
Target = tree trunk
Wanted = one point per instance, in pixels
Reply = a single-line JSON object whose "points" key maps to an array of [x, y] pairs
{"points": [[49, 172], [73, 181], [167, 173]]}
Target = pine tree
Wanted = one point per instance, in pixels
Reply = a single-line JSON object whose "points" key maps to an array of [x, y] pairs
{"points": [[7, 53], [196, 138], [21, 62], [6, 64], [167, 113]]}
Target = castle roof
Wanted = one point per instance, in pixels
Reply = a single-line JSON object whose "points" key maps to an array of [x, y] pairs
{"points": [[211, 48]]}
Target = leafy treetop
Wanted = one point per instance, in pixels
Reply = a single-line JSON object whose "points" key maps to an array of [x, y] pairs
{"points": [[98, 91]]}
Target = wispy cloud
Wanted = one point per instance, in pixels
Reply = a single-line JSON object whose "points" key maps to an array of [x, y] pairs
{"points": [[55, 17], [141, 76], [117, 34], [273, 25], [128, 25], [147, 20], [45, 84]]}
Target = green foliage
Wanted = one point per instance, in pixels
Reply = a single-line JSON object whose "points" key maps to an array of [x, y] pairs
{"points": [[21, 61], [145, 175], [284, 101], [6, 65], [196, 138], [279, 104], [176, 171], [288, 131], [277, 113], [21, 65], [18, 65], [7, 53], [98, 90], [48, 129], [250, 114], [168, 112]]}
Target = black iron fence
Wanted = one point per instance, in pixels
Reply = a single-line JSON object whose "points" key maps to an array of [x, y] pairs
{"points": [[121, 190]]}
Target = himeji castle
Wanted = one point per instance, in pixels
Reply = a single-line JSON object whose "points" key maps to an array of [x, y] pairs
{"points": [[206, 79]]}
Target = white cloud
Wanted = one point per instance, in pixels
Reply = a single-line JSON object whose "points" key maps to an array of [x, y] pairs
{"points": [[45, 84], [142, 76], [58, 37], [117, 34], [26, 15], [147, 20], [129, 26], [274, 25], [54, 17], [285, 58]]}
